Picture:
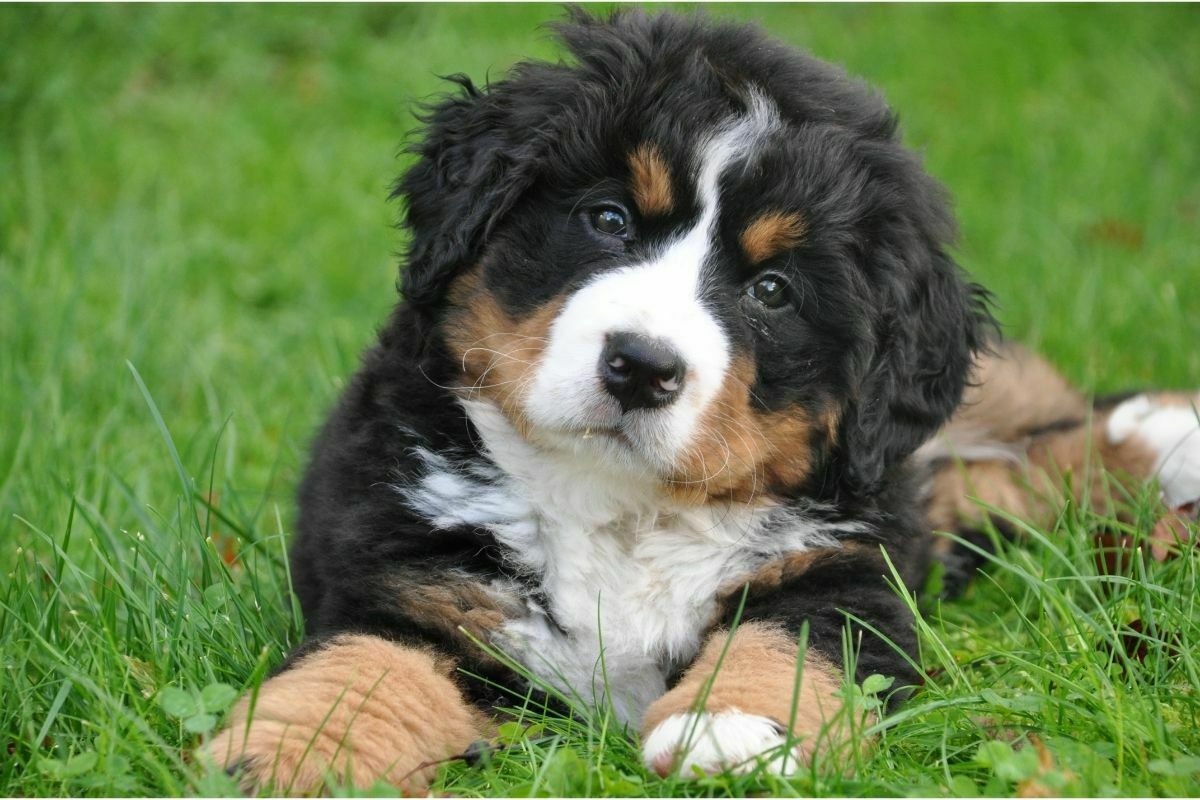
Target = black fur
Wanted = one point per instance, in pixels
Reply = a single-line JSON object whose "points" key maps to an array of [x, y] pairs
{"points": [[885, 330]]}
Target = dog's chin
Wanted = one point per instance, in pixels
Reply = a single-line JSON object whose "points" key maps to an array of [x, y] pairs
{"points": [[629, 444]]}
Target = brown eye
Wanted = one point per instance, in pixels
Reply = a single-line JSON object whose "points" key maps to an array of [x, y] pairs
{"points": [[770, 290], [611, 220]]}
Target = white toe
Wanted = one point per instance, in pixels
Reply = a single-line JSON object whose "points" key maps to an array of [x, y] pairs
{"points": [[716, 742]]}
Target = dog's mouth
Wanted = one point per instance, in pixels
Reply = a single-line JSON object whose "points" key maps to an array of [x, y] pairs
{"points": [[601, 432], [631, 434], [629, 439]]}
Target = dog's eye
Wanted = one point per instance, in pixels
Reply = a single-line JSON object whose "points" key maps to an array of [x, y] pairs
{"points": [[770, 290], [611, 220]]}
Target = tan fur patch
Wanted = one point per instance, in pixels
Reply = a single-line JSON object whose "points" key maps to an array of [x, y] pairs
{"points": [[956, 487], [1088, 457], [741, 453], [1013, 391], [360, 710], [453, 606], [651, 182], [831, 419], [784, 569], [758, 676], [771, 234], [498, 354]]}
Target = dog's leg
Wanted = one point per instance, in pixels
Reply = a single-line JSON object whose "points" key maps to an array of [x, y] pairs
{"points": [[1024, 438], [360, 709], [739, 707], [1154, 436], [748, 710], [1150, 437]]}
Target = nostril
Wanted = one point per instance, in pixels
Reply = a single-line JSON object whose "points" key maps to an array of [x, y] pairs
{"points": [[640, 371]]}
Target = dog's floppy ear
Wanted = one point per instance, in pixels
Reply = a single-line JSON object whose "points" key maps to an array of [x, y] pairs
{"points": [[930, 323], [471, 167]]}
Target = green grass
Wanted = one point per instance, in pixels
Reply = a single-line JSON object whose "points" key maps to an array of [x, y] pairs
{"points": [[195, 245]]}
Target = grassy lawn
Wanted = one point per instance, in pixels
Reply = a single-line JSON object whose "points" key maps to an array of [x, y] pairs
{"points": [[195, 245]]}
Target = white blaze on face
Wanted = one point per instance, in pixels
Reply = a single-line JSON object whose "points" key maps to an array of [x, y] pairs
{"points": [[662, 299]]}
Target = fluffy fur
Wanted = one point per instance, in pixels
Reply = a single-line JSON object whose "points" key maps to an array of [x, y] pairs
{"points": [[676, 317]]}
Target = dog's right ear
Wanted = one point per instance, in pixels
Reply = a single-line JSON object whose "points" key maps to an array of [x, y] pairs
{"points": [[471, 167]]}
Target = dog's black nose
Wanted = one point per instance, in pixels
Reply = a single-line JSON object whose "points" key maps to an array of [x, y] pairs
{"points": [[641, 372]]}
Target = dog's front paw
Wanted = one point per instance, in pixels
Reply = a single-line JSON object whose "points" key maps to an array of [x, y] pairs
{"points": [[747, 681], [277, 758], [358, 711], [708, 743]]}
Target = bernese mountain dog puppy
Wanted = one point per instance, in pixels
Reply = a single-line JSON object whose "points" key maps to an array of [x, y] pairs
{"points": [[679, 329]]}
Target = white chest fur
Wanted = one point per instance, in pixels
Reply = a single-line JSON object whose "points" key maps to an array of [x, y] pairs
{"points": [[630, 583]]}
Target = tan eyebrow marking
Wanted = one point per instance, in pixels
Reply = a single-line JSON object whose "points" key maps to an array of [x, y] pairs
{"points": [[651, 181], [772, 233]]}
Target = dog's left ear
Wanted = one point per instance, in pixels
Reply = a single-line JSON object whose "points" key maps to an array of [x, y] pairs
{"points": [[930, 322], [474, 160]]}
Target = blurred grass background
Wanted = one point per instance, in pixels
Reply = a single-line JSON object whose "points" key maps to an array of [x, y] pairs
{"points": [[201, 191]]}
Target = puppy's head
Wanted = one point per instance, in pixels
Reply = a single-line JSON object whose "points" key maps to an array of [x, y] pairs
{"points": [[693, 253]]}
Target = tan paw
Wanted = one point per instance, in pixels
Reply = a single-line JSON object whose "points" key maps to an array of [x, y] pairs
{"points": [[360, 711]]}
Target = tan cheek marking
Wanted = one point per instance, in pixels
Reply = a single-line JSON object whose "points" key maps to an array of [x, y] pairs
{"points": [[740, 453], [772, 233], [790, 433], [757, 676], [497, 354], [362, 709], [651, 182]]}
